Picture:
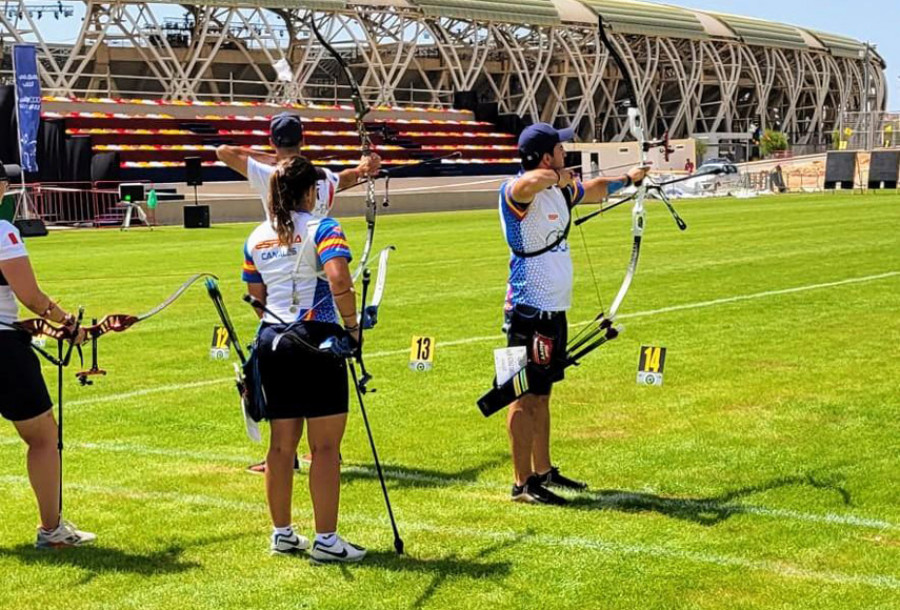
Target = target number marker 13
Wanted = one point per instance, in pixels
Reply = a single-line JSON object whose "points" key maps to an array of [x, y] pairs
{"points": [[421, 353], [651, 363]]}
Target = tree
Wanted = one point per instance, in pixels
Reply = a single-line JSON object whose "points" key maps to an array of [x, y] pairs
{"points": [[700, 148], [772, 142]]}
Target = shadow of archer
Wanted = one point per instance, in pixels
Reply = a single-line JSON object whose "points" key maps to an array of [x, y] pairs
{"points": [[98, 559], [402, 476], [703, 511], [449, 567]]}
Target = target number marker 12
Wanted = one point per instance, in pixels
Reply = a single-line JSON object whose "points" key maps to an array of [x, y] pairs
{"points": [[651, 363], [421, 353], [221, 342]]}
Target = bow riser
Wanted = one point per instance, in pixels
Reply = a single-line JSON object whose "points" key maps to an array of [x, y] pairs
{"points": [[365, 143]]}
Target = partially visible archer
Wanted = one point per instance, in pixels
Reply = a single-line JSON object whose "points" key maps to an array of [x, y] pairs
{"points": [[24, 399]]}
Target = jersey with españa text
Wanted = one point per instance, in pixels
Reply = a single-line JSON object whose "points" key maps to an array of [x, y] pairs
{"points": [[543, 281], [11, 246], [296, 292], [258, 174]]}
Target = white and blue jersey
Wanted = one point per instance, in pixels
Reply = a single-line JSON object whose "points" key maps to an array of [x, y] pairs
{"points": [[296, 292], [543, 281]]}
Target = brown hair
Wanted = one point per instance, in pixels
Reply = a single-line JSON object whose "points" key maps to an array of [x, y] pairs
{"points": [[289, 183]]}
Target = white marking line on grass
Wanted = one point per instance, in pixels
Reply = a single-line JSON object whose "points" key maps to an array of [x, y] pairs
{"points": [[686, 306], [878, 581], [468, 340], [146, 392], [611, 500]]}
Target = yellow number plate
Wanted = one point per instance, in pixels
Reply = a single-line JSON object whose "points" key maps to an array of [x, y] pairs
{"points": [[421, 353], [651, 363]]}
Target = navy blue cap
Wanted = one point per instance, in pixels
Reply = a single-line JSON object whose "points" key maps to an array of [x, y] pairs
{"points": [[286, 130], [540, 138]]}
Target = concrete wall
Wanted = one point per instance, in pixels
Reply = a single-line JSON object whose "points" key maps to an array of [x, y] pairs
{"points": [[234, 202]]}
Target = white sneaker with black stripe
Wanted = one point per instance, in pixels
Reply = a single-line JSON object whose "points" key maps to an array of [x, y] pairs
{"points": [[288, 545], [339, 551], [65, 535]]}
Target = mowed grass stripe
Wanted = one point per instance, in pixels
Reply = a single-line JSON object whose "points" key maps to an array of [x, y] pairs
{"points": [[659, 552], [470, 340], [606, 499]]}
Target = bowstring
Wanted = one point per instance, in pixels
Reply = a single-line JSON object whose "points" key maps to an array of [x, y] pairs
{"points": [[587, 255]]}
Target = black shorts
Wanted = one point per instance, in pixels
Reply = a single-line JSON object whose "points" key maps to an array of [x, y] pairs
{"points": [[299, 381], [23, 393], [523, 325]]}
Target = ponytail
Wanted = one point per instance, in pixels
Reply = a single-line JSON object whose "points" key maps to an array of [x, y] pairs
{"points": [[290, 181]]}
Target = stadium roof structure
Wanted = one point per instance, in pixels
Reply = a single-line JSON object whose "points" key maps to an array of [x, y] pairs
{"points": [[624, 16], [694, 71]]}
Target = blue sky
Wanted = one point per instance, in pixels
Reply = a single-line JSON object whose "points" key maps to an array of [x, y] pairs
{"points": [[875, 21]]}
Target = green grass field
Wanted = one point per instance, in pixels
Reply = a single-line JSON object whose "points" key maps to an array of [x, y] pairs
{"points": [[763, 474]]}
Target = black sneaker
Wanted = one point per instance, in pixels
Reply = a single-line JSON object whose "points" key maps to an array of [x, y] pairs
{"points": [[533, 492], [552, 478]]}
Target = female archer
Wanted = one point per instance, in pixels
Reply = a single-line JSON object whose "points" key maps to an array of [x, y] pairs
{"points": [[296, 265], [24, 399]]}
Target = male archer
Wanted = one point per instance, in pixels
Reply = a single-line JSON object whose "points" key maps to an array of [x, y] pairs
{"points": [[535, 213], [286, 136]]}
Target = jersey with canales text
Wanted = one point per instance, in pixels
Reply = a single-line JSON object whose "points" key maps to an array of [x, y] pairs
{"points": [[259, 174], [296, 292], [543, 281], [11, 246]]}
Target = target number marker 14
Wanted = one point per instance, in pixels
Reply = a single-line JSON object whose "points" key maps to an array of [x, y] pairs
{"points": [[651, 363]]}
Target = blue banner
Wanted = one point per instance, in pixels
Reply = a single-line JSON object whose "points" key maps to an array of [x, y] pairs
{"points": [[28, 103]]}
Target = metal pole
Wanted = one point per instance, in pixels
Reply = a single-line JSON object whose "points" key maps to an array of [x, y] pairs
{"points": [[865, 108]]}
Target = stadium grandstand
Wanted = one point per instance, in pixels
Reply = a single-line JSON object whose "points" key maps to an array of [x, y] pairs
{"points": [[145, 85]]}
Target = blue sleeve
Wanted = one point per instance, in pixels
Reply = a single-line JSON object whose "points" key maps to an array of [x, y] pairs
{"points": [[576, 193]]}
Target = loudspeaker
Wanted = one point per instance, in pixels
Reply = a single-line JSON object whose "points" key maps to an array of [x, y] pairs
{"points": [[884, 169], [840, 169], [488, 112], [31, 227], [512, 123], [193, 171], [13, 173], [465, 100], [196, 217]]}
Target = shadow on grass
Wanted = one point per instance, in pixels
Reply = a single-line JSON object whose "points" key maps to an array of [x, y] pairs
{"points": [[97, 559], [445, 568], [704, 511], [401, 476]]}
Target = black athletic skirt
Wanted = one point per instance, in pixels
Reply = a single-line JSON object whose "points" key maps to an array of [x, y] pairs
{"points": [[299, 380], [23, 393]]}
